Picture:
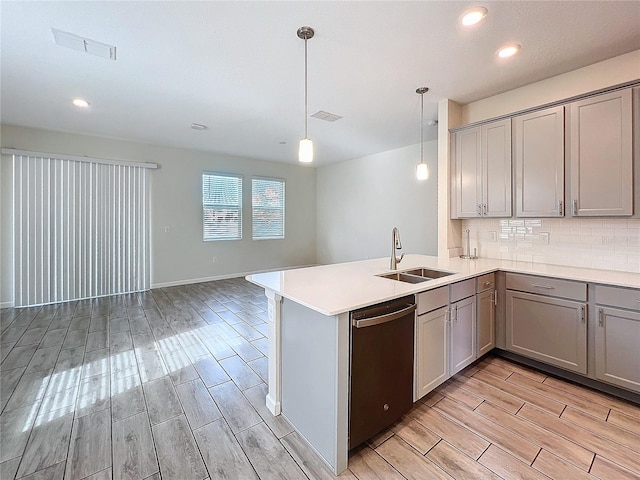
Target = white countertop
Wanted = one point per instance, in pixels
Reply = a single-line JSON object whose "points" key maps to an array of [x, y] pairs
{"points": [[342, 287]]}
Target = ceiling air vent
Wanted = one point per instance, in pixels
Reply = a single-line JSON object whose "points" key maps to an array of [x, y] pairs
{"points": [[326, 116], [82, 44]]}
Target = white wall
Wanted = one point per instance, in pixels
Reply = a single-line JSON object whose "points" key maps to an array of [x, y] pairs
{"points": [[180, 255], [614, 71], [360, 201]]}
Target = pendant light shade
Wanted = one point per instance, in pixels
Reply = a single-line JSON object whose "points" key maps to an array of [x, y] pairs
{"points": [[305, 150], [422, 171]]}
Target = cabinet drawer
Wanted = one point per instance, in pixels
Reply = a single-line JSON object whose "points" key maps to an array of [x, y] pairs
{"points": [[547, 286], [485, 282], [463, 289], [432, 299], [618, 297]]}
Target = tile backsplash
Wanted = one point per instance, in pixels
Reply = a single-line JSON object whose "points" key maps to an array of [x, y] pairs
{"points": [[610, 244]]}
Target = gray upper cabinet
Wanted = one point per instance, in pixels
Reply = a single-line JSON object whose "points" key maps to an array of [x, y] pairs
{"points": [[467, 177], [539, 163], [496, 168], [600, 152], [482, 171]]}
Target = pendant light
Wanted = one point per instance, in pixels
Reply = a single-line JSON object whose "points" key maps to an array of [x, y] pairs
{"points": [[422, 171], [305, 151]]}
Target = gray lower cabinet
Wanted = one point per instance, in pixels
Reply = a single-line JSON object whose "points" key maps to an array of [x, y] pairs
{"points": [[539, 163], [548, 329], [486, 299], [432, 351], [618, 347], [617, 336], [431, 341], [486, 321], [463, 334]]}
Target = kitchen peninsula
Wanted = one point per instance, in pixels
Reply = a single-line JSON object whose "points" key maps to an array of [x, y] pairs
{"points": [[309, 329]]}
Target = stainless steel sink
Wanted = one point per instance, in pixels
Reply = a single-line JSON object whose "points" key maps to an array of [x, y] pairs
{"points": [[416, 275], [428, 273], [403, 277]]}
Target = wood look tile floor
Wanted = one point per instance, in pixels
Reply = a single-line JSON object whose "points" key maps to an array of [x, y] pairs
{"points": [[170, 384]]}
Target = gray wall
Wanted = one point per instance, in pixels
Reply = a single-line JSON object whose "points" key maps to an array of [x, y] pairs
{"points": [[180, 255], [361, 200]]}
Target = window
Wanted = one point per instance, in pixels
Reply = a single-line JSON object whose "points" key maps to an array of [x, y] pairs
{"points": [[268, 208], [221, 206]]}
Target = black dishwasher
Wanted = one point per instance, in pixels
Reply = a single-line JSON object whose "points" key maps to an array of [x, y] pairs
{"points": [[381, 370]]}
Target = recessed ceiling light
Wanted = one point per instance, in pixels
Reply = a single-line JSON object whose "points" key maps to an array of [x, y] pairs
{"points": [[80, 103], [508, 50], [198, 126], [473, 16]]}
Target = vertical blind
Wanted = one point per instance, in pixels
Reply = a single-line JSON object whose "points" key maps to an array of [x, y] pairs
{"points": [[80, 228], [221, 206], [267, 202]]}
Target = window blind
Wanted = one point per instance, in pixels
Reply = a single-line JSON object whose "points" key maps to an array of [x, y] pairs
{"points": [[221, 206], [267, 208], [80, 229]]}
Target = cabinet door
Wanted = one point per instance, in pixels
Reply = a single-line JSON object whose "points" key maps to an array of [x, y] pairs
{"points": [[486, 323], [432, 351], [463, 334], [539, 163], [617, 352], [468, 173], [496, 169], [548, 329], [601, 155]]}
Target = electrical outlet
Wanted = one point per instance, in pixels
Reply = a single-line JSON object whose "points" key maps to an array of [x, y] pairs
{"points": [[166, 229], [214, 260], [493, 236], [544, 238]]}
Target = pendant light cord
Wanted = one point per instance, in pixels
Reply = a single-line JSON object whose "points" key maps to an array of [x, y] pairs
{"points": [[421, 127], [306, 119]]}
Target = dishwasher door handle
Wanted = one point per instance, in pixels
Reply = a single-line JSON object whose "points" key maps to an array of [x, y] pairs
{"points": [[388, 317]]}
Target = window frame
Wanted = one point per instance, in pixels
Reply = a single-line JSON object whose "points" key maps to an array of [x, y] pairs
{"points": [[254, 208], [222, 206]]}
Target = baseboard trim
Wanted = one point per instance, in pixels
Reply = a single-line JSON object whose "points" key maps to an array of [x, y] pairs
{"points": [[7, 304], [190, 281], [570, 376]]}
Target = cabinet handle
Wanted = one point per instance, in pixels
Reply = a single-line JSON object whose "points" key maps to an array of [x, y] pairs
{"points": [[600, 317], [484, 209], [546, 287], [560, 213], [495, 297], [447, 316], [575, 207], [486, 284], [479, 210], [582, 313]]}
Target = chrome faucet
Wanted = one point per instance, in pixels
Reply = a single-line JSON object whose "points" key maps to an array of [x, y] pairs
{"points": [[396, 244]]}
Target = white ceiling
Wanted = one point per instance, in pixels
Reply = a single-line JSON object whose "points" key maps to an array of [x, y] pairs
{"points": [[237, 67]]}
